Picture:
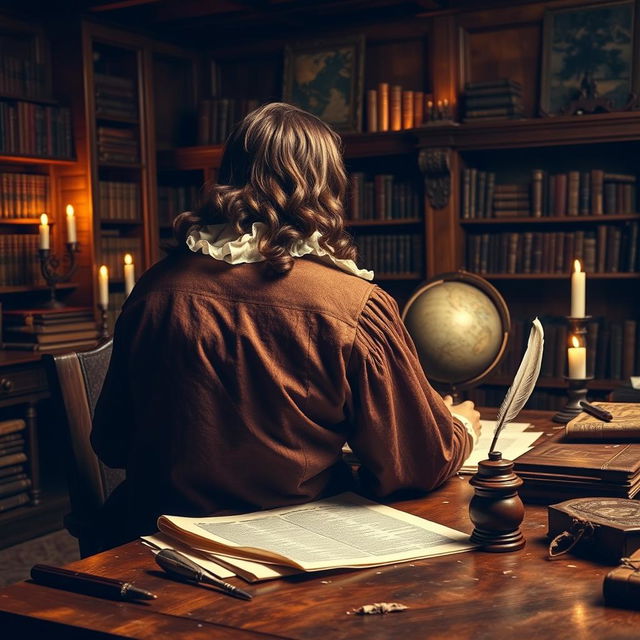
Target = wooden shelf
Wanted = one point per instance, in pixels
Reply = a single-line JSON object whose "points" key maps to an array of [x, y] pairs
{"points": [[551, 220], [397, 276], [122, 222], [554, 383], [104, 117], [26, 288], [23, 221], [10, 96], [120, 165], [407, 222], [20, 159], [623, 126], [558, 276], [185, 158], [387, 143]]}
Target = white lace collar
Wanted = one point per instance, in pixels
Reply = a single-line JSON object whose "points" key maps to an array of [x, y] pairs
{"points": [[220, 242]]}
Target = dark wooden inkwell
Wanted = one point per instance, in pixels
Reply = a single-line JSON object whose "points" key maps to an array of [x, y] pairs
{"points": [[496, 509]]}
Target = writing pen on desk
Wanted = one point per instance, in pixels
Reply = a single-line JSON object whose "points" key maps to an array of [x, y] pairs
{"points": [[88, 584], [596, 412], [176, 564]]}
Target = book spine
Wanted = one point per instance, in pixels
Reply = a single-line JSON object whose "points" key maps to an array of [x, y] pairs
{"points": [[407, 109], [383, 106], [372, 111], [395, 108], [418, 108], [537, 180]]}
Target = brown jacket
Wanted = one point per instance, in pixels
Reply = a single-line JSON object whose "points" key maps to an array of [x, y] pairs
{"points": [[229, 392]]}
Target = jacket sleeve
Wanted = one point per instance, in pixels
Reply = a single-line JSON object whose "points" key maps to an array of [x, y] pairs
{"points": [[404, 435]]}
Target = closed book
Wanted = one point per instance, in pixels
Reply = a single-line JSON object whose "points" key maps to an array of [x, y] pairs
{"points": [[621, 586], [11, 502], [496, 112], [12, 459], [17, 486], [632, 252], [481, 194], [615, 355], [573, 193], [560, 196], [372, 111], [601, 248], [48, 338], [597, 192], [395, 108], [559, 467], [537, 184], [466, 192], [383, 106], [498, 100], [418, 108], [584, 204], [61, 327], [491, 182], [625, 425], [47, 348], [407, 109], [12, 426], [512, 203], [608, 528], [492, 84], [11, 471], [629, 328], [473, 189]]}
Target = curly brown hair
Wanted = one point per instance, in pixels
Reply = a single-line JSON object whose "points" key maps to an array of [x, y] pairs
{"points": [[283, 167]]}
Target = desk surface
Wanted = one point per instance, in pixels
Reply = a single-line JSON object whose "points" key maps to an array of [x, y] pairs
{"points": [[469, 595]]}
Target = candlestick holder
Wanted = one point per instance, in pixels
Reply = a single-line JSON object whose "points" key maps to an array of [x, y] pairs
{"points": [[104, 331], [55, 270], [576, 387], [577, 391]]}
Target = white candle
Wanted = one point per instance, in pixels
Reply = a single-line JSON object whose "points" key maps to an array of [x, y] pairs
{"points": [[578, 282], [129, 274], [103, 286], [577, 360], [43, 228], [71, 224]]}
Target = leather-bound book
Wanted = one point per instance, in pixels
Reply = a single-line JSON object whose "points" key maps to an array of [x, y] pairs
{"points": [[383, 106], [395, 108], [597, 192], [372, 111], [559, 469], [407, 109], [573, 193], [418, 108], [625, 425], [621, 587]]}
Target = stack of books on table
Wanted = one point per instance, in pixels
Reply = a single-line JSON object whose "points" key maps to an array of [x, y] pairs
{"points": [[14, 481], [47, 330], [495, 99]]}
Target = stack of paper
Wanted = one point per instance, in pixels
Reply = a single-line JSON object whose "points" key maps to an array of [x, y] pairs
{"points": [[512, 442], [345, 531]]}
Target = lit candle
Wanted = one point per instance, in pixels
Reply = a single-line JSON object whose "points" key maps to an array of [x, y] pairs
{"points": [[71, 224], [578, 281], [129, 274], [103, 286], [43, 228], [577, 360]]}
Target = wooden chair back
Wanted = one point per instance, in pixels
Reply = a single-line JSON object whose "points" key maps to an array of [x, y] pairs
{"points": [[76, 380]]}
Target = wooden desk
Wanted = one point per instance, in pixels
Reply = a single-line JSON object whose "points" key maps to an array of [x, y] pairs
{"points": [[470, 595]]}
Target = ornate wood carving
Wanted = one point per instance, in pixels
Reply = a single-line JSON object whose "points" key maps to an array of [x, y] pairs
{"points": [[436, 166]]}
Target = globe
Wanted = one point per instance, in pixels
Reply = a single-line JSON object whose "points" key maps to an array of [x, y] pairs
{"points": [[460, 324]]}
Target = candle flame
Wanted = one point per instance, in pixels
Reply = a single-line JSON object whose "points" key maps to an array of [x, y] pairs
{"points": [[128, 259], [576, 266], [70, 210], [104, 272], [44, 220], [575, 341]]}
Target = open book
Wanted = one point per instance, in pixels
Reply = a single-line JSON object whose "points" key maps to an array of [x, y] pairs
{"points": [[345, 531]]}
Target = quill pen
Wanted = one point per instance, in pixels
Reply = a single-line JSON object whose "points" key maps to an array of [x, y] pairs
{"points": [[523, 383]]}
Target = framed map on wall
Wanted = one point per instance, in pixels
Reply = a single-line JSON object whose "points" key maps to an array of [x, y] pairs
{"points": [[325, 78]]}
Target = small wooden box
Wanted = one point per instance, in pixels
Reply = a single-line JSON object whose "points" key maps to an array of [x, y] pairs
{"points": [[608, 528]]}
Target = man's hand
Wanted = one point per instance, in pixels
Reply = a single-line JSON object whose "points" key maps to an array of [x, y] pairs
{"points": [[467, 410]]}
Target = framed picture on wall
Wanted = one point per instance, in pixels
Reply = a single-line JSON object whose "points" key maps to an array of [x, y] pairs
{"points": [[325, 77], [588, 59]]}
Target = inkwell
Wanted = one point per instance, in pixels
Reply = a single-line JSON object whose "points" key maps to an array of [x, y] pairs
{"points": [[496, 509]]}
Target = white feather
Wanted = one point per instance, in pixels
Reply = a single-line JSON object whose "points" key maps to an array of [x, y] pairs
{"points": [[523, 383]]}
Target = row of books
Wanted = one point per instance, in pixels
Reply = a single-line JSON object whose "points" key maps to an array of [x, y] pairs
{"points": [[33, 129], [382, 197], [492, 99], [574, 193], [20, 76], [388, 254], [23, 195], [115, 96], [117, 145], [613, 348], [610, 249], [113, 248], [46, 330], [15, 480], [392, 108], [19, 260], [119, 200], [173, 200], [217, 116]]}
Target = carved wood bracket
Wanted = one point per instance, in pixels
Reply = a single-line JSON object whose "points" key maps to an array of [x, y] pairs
{"points": [[436, 166]]}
